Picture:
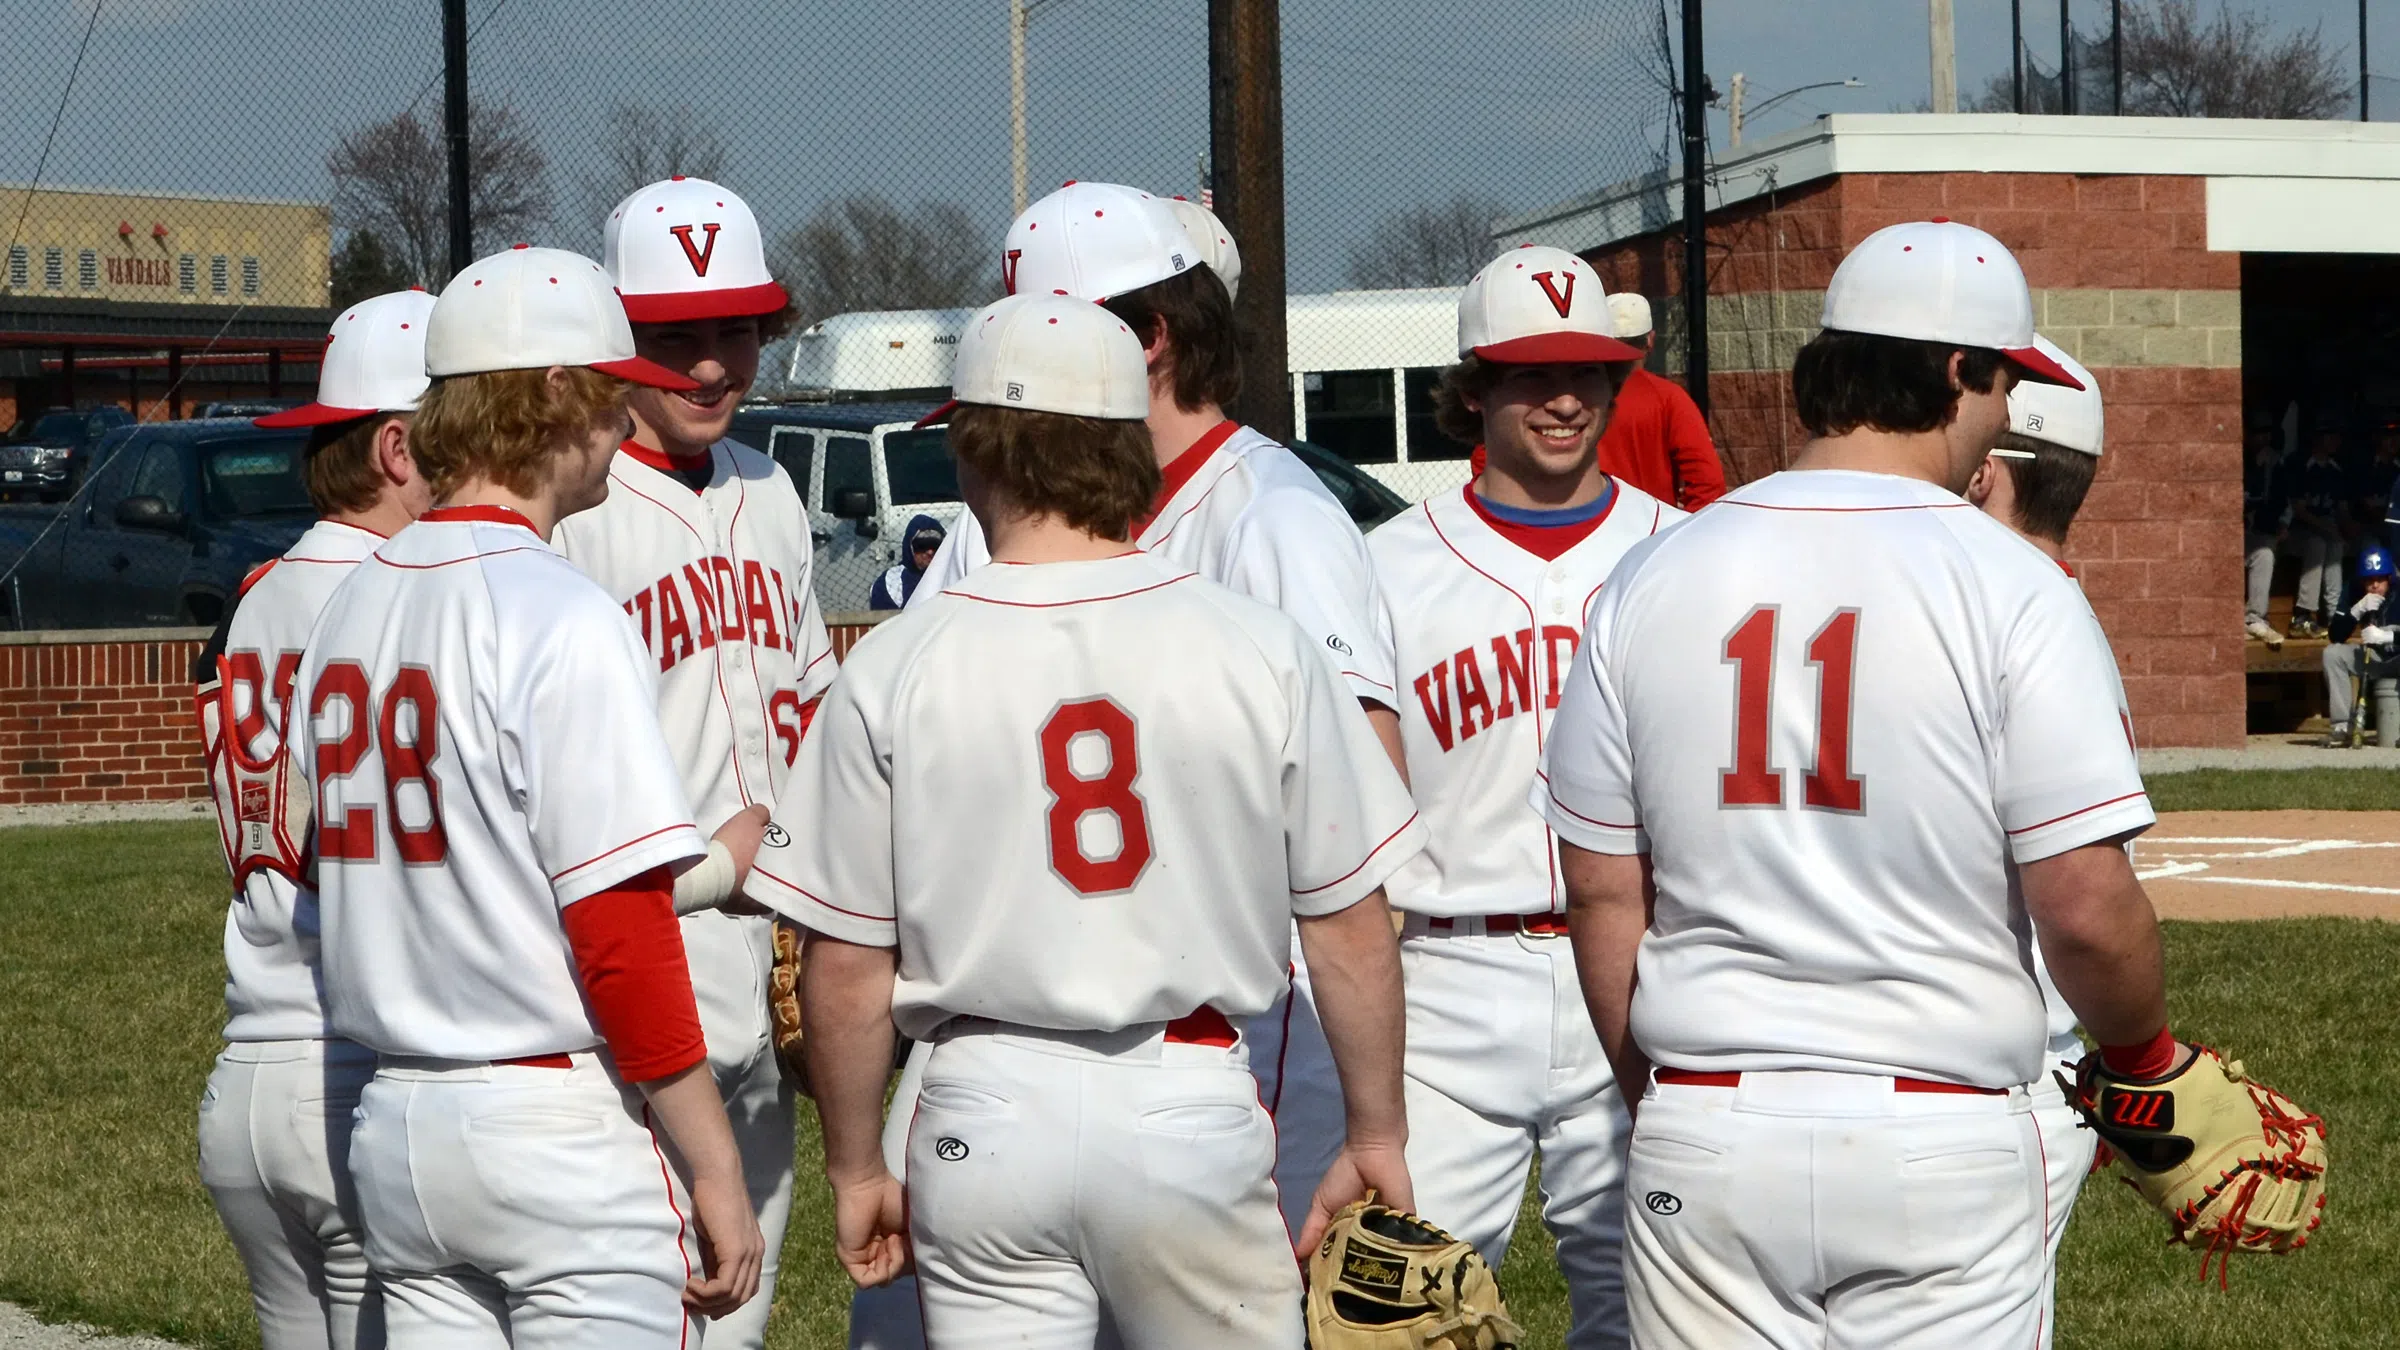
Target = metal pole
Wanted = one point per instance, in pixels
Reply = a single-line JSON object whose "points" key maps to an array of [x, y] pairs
{"points": [[2066, 60], [1695, 210], [1942, 25], [454, 128], [1245, 132], [2016, 54], [2362, 60], [1016, 104], [1733, 110], [2116, 57]]}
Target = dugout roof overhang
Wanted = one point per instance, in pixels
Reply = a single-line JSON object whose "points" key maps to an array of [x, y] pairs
{"points": [[31, 320], [2273, 186]]}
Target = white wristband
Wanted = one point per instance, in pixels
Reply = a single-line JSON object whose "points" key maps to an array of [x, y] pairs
{"points": [[707, 883]]}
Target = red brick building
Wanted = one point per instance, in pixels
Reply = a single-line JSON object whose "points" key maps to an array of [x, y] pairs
{"points": [[2154, 247]]}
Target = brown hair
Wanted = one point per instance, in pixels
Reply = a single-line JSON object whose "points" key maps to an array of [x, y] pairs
{"points": [[1472, 378], [2050, 486], [1204, 346], [505, 425], [342, 475], [1842, 381], [1098, 475]]}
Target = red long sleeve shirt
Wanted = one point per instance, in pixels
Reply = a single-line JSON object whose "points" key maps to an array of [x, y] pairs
{"points": [[629, 955], [1658, 441]]}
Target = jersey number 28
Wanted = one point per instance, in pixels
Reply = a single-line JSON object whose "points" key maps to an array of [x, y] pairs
{"points": [[1074, 795], [1750, 650], [351, 836]]}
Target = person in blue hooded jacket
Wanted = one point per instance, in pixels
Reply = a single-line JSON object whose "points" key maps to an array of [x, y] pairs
{"points": [[917, 546]]}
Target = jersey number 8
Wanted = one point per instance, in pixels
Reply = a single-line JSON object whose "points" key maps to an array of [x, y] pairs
{"points": [[351, 837], [1074, 796]]}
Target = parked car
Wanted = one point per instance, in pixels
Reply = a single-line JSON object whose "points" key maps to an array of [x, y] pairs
{"points": [[864, 469], [170, 519], [45, 456]]}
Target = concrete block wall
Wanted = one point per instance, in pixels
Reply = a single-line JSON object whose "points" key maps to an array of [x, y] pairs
{"points": [[2123, 280]]}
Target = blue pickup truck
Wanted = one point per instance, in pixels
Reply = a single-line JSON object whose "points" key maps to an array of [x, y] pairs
{"points": [[161, 530]]}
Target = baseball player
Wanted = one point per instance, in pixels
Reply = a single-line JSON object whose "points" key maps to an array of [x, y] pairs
{"points": [[2034, 482], [274, 1125], [1501, 1054], [2370, 662], [1815, 807], [704, 542], [498, 822], [1657, 437], [1087, 1139]]}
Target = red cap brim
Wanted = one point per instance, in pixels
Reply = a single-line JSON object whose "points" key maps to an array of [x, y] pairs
{"points": [[739, 302], [1558, 349], [642, 370], [2034, 362], [311, 415], [938, 415]]}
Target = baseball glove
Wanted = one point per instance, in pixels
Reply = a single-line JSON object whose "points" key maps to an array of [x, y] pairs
{"points": [[783, 1006], [1384, 1280], [2234, 1165]]}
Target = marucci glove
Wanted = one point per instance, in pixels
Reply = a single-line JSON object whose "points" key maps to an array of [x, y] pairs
{"points": [[783, 1006], [2234, 1165], [1384, 1280]]}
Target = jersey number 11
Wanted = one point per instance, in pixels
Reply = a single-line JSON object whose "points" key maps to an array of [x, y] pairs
{"points": [[1750, 650]]}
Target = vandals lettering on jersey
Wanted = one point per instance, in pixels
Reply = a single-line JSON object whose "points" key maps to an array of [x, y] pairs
{"points": [[1511, 679], [715, 600]]}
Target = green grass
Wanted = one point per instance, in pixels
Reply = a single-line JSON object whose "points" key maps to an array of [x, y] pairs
{"points": [[109, 1008], [2275, 790]]}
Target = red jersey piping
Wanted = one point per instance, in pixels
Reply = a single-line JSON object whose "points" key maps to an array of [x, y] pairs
{"points": [[816, 899], [564, 873], [1362, 863], [2027, 829], [481, 514], [1061, 604]]}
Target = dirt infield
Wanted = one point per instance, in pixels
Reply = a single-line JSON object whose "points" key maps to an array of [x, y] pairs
{"points": [[2272, 864]]}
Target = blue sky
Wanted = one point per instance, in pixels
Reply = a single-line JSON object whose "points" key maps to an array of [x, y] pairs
{"points": [[1387, 104]]}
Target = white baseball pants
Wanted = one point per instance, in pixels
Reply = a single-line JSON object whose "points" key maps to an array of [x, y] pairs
{"points": [[2068, 1146], [1052, 1175], [1502, 1060], [274, 1154], [758, 1102], [1298, 1084], [1805, 1210], [524, 1207]]}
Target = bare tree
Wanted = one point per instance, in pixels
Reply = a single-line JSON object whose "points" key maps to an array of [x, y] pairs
{"points": [[864, 252], [642, 144], [2178, 64], [361, 268], [392, 177], [1436, 245]]}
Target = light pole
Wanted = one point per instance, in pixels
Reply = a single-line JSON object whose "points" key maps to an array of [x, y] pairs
{"points": [[1020, 14], [1742, 116]]}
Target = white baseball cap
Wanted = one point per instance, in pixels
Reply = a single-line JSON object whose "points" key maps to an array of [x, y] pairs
{"points": [[685, 248], [374, 362], [1211, 241], [2053, 412], [1940, 281], [1629, 311], [527, 308], [1052, 353], [1536, 305], [1092, 241]]}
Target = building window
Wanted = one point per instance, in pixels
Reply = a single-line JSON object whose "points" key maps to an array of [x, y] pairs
{"points": [[249, 276], [54, 268], [219, 278], [1350, 413], [87, 269], [187, 274], [20, 267]]}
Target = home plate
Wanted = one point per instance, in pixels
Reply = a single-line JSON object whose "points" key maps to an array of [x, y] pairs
{"points": [[2272, 864]]}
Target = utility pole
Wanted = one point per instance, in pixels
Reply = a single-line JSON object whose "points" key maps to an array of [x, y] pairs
{"points": [[1733, 110], [1245, 134], [1016, 105], [2116, 57], [2066, 60], [1695, 211], [1944, 27], [2362, 60], [2016, 54], [454, 128]]}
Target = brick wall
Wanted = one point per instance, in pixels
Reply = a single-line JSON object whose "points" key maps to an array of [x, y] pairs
{"points": [[108, 718], [2123, 280]]}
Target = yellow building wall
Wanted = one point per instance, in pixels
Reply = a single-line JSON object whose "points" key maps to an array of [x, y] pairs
{"points": [[126, 247]]}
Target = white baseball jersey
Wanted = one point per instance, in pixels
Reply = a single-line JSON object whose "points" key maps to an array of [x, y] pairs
{"points": [[718, 583], [1243, 511], [481, 734], [271, 931], [1159, 773], [1484, 633], [1838, 709]]}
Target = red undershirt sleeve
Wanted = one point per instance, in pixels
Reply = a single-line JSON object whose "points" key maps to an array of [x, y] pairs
{"points": [[808, 715], [629, 954]]}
